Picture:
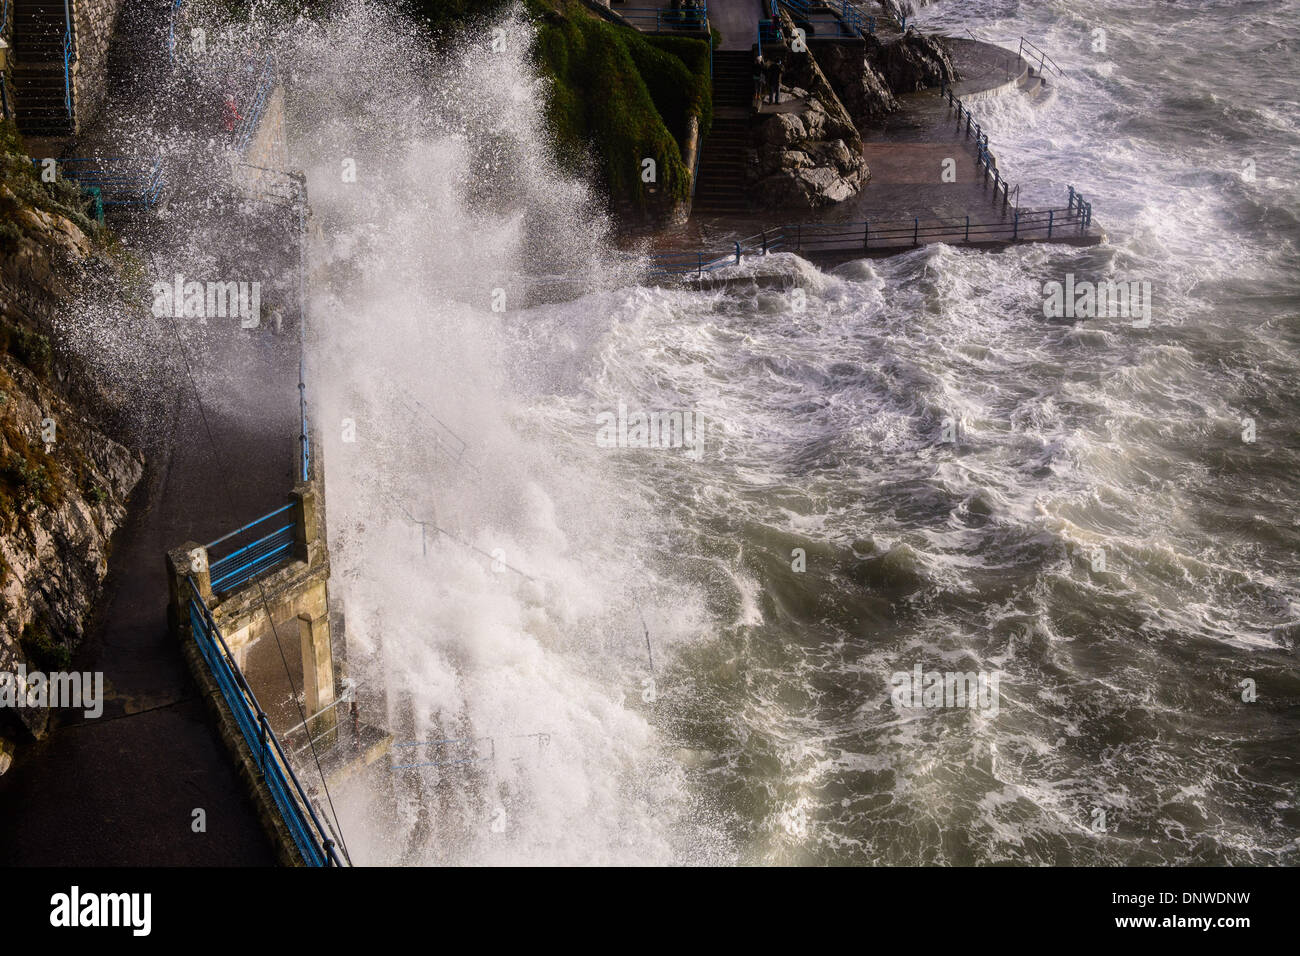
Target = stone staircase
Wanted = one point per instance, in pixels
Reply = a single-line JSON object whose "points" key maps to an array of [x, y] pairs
{"points": [[721, 187], [38, 77]]}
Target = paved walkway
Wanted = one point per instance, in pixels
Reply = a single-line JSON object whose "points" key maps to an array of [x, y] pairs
{"points": [[737, 21], [120, 790]]}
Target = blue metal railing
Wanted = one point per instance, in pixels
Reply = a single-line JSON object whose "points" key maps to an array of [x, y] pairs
{"points": [[984, 160], [304, 437], [1044, 60], [682, 18], [67, 56], [879, 234], [845, 17], [256, 557], [171, 31], [116, 180], [261, 95], [309, 836]]}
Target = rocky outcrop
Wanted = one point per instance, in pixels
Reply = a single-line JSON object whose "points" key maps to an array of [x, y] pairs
{"points": [[912, 62], [64, 482], [804, 158], [811, 155], [865, 94]]}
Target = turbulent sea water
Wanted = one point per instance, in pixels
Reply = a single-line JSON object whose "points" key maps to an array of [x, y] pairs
{"points": [[501, 570]]}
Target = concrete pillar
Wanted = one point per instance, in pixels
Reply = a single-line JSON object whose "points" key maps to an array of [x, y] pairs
{"points": [[190, 560], [318, 677], [306, 523]]}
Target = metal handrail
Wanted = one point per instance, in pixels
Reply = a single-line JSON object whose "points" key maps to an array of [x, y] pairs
{"points": [[848, 19], [67, 56], [861, 235], [114, 177], [694, 17], [258, 556], [1043, 58], [171, 31], [262, 93], [277, 772]]}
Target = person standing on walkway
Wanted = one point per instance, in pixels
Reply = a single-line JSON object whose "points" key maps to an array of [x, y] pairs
{"points": [[760, 69], [775, 81]]}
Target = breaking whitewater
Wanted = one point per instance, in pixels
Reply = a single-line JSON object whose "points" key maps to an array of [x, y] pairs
{"points": [[910, 574]]}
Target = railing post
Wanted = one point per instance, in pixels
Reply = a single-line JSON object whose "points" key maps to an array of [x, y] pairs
{"points": [[263, 730], [968, 123], [967, 229], [1049, 223], [916, 229], [1015, 229], [866, 234], [737, 252]]}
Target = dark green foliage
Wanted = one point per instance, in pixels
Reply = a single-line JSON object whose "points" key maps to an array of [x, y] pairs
{"points": [[43, 651], [627, 96], [59, 198], [29, 347]]}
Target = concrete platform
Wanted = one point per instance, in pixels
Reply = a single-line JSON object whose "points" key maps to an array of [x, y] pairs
{"points": [[906, 155]]}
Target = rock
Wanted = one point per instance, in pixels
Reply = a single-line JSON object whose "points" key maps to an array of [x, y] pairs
{"points": [[914, 61], [63, 501], [860, 88], [783, 129], [795, 159], [811, 156]]}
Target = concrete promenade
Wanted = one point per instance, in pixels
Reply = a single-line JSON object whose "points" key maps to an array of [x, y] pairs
{"points": [[906, 155]]}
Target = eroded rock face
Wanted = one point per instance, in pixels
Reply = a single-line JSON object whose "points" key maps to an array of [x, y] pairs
{"points": [[804, 159], [61, 500], [914, 61], [862, 90], [810, 155]]}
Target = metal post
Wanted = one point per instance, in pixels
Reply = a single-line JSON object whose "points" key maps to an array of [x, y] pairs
{"points": [[1015, 229], [968, 228], [916, 228], [866, 234], [737, 252], [261, 723], [1049, 223], [968, 123]]}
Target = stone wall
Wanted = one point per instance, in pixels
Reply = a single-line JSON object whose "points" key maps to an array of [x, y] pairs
{"points": [[94, 22]]}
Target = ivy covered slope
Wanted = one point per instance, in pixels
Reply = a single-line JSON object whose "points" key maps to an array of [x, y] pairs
{"points": [[60, 500], [621, 95]]}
